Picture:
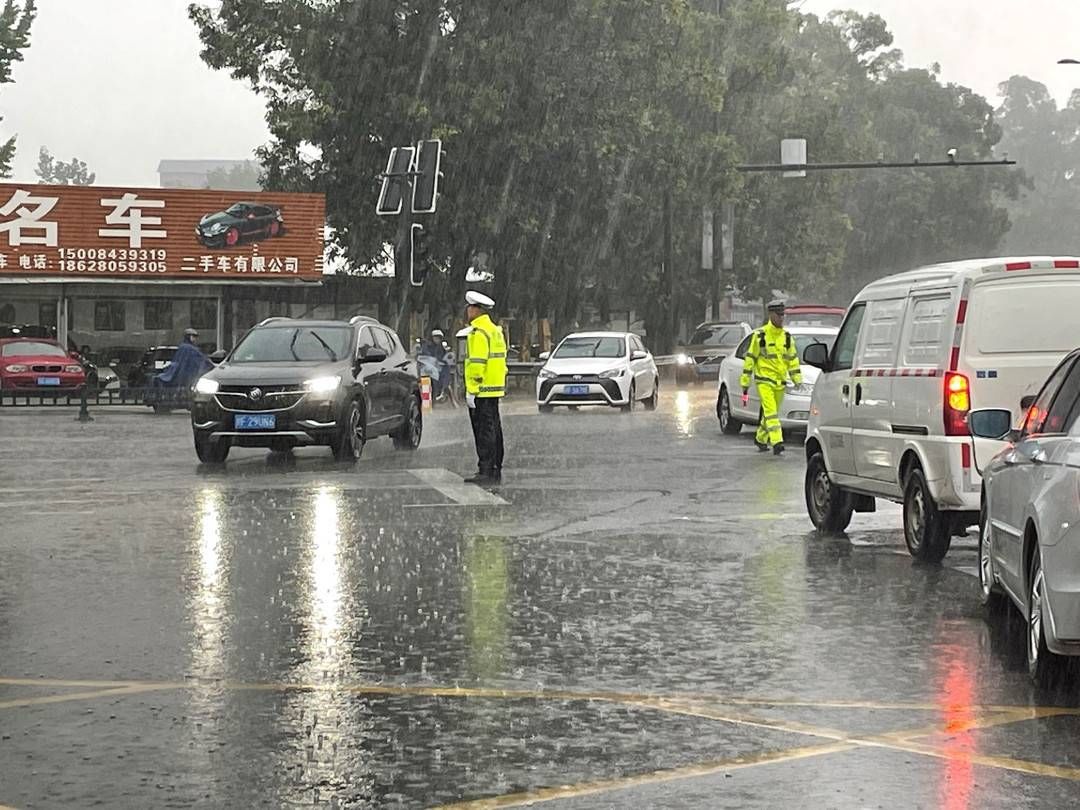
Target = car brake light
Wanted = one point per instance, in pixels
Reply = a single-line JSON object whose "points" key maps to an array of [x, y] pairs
{"points": [[957, 404]]}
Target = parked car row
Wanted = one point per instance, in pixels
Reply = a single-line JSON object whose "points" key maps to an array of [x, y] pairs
{"points": [[916, 402]]}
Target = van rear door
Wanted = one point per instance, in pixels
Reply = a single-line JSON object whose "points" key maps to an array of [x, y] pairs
{"points": [[1018, 328]]}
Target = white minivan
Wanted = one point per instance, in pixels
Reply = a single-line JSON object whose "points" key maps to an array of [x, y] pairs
{"points": [[917, 351]]}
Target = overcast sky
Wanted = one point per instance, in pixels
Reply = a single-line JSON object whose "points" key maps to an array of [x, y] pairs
{"points": [[119, 83]]}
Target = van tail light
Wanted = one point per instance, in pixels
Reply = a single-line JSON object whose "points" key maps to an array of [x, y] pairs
{"points": [[957, 404]]}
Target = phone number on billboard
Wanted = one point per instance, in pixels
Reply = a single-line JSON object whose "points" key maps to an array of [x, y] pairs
{"points": [[110, 266], [125, 254]]}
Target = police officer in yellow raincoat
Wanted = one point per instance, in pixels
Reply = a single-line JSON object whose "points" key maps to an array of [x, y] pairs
{"points": [[485, 385], [771, 360]]}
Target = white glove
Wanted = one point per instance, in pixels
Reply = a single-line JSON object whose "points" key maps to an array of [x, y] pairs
{"points": [[470, 400], [789, 385]]}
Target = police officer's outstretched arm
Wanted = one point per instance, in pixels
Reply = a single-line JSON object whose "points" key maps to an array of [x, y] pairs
{"points": [[750, 362], [791, 357]]}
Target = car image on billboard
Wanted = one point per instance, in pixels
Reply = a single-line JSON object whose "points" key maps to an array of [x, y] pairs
{"points": [[240, 222]]}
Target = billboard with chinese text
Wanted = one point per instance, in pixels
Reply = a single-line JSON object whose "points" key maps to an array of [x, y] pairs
{"points": [[159, 233]]}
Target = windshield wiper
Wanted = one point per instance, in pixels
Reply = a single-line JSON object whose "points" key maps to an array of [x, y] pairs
{"points": [[326, 346], [292, 343]]}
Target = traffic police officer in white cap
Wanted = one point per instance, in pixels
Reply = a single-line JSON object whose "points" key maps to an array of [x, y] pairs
{"points": [[485, 385], [771, 360]]}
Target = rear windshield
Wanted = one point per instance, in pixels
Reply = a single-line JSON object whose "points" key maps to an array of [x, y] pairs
{"points": [[802, 341], [26, 348], [813, 319], [717, 336], [1038, 316], [282, 344], [592, 347]]}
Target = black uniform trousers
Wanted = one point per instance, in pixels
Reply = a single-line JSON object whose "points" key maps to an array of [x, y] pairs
{"points": [[488, 434]]}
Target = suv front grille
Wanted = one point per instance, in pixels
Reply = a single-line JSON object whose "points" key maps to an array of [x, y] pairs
{"points": [[269, 398]]}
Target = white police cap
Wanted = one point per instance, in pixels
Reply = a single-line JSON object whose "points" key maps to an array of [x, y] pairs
{"points": [[478, 300], [776, 305]]}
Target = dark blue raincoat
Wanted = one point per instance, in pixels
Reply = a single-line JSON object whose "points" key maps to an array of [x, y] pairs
{"points": [[188, 364]]}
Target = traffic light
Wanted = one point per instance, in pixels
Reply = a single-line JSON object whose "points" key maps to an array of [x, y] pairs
{"points": [[425, 194], [398, 166], [418, 255]]}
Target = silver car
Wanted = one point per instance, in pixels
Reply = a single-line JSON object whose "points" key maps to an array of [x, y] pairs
{"points": [[1029, 545]]}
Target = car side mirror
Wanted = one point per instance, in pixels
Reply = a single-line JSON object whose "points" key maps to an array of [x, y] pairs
{"points": [[991, 423], [639, 355], [218, 356], [544, 356], [817, 355], [372, 354]]}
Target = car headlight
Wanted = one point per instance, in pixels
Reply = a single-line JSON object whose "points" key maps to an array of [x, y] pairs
{"points": [[16, 369], [547, 375], [207, 386], [322, 385], [611, 374], [73, 369], [683, 359]]}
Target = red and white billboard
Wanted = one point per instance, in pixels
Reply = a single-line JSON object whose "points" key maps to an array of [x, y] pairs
{"points": [[135, 233]]}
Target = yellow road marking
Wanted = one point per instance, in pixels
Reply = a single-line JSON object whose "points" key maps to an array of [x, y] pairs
{"points": [[42, 700], [657, 777]]}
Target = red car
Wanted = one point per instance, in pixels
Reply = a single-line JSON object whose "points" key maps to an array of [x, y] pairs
{"points": [[38, 365], [813, 315]]}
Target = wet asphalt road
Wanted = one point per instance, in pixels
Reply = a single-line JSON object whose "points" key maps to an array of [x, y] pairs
{"points": [[640, 616]]}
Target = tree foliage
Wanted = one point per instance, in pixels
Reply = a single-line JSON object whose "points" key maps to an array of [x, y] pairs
{"points": [[244, 176], [15, 21], [71, 173], [1046, 141], [584, 138]]}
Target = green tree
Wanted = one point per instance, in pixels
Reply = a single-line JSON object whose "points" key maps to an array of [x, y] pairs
{"points": [[245, 176], [72, 173], [15, 21]]}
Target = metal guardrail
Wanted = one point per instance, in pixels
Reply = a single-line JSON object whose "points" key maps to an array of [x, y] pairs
{"points": [[14, 398]]}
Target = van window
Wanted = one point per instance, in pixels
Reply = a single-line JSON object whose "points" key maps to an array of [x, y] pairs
{"points": [[882, 332], [1039, 316], [848, 339], [929, 330]]}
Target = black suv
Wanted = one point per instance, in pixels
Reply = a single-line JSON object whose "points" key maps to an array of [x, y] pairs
{"points": [[295, 382]]}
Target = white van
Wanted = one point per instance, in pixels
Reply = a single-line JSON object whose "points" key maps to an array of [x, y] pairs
{"points": [[916, 352]]}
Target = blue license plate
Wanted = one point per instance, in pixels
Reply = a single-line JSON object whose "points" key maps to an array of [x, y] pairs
{"points": [[48, 380], [577, 390], [255, 421]]}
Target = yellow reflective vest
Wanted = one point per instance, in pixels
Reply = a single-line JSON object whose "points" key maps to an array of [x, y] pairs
{"points": [[771, 357], [485, 367]]}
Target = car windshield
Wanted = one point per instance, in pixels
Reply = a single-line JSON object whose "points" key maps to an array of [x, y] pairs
{"points": [[717, 336], [235, 210], [28, 348], [591, 347], [281, 344], [802, 341]]}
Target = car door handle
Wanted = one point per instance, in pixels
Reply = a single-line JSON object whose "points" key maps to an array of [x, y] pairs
{"points": [[858, 393]]}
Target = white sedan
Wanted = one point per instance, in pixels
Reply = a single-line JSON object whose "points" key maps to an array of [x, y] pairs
{"points": [[733, 413], [598, 368]]}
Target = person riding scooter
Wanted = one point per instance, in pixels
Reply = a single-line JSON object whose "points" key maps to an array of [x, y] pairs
{"points": [[171, 386], [433, 361]]}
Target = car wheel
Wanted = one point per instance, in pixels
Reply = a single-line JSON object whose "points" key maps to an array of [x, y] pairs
{"points": [[408, 436], [348, 444], [652, 402], [830, 508], [629, 406], [728, 423], [274, 229], [991, 594], [926, 528], [211, 452], [232, 237], [545, 408], [1044, 667]]}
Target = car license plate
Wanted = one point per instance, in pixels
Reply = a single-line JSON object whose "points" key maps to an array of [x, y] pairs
{"points": [[48, 380], [576, 390], [255, 421]]}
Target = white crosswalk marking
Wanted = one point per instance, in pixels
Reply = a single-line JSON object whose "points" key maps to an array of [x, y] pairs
{"points": [[454, 487]]}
